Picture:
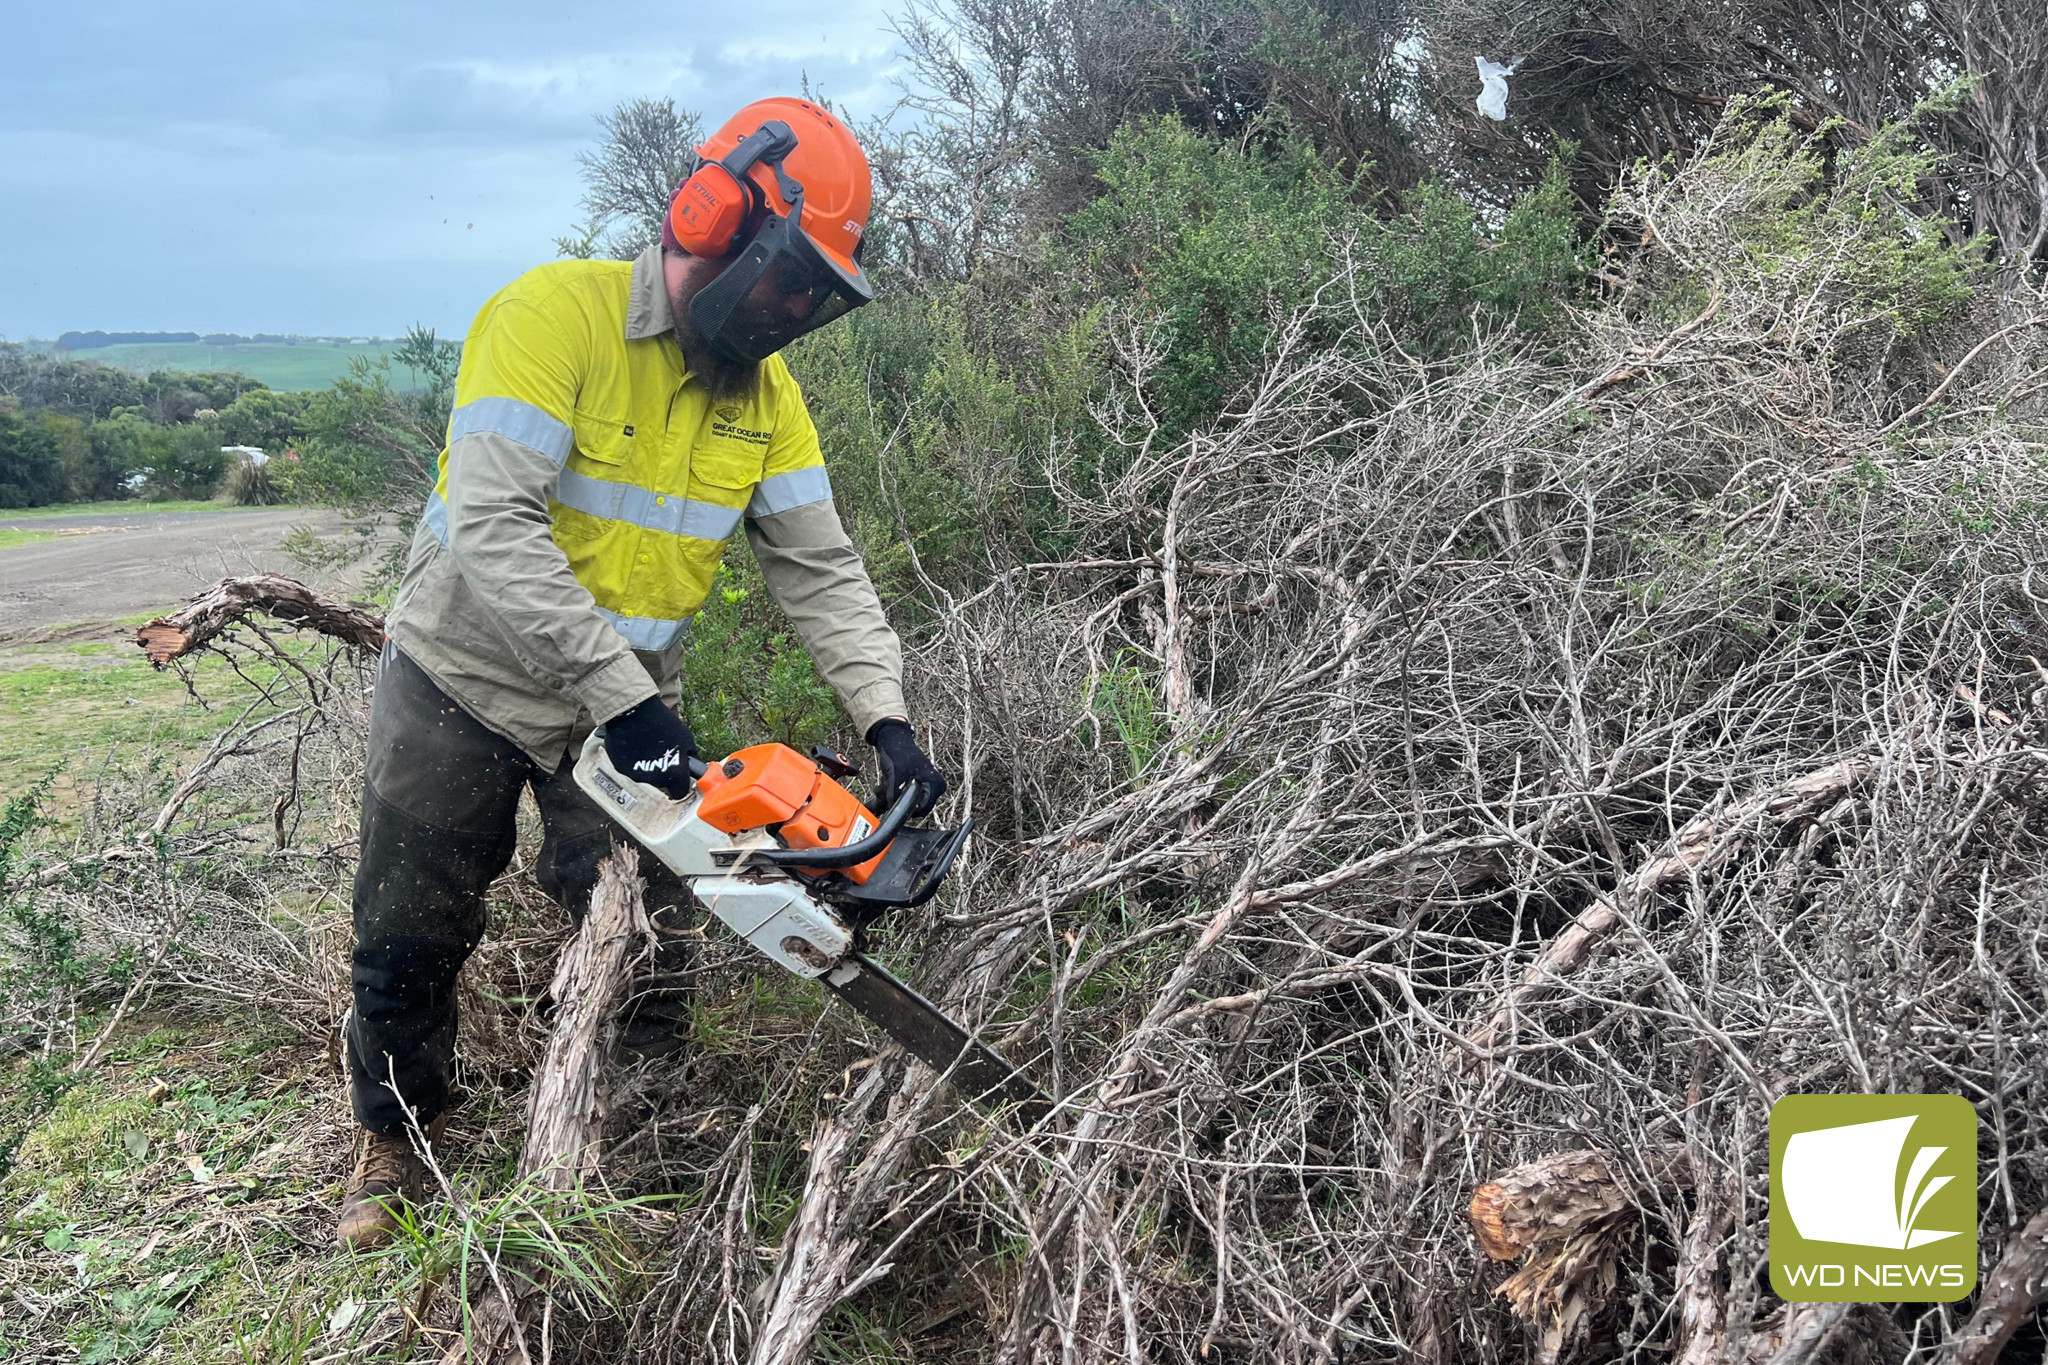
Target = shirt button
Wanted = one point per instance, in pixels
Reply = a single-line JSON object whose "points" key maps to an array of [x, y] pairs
{"points": [[660, 502], [646, 559]]}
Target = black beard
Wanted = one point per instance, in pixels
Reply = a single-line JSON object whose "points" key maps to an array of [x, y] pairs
{"points": [[724, 378]]}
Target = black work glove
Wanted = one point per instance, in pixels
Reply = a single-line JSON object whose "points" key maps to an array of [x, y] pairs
{"points": [[903, 763], [651, 744]]}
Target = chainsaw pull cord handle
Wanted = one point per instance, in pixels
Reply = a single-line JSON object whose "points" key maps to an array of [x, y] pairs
{"points": [[846, 855]]}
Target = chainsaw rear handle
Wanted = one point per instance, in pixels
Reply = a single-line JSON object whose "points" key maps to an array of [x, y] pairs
{"points": [[846, 855]]}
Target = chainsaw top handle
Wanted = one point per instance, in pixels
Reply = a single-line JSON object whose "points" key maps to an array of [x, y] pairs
{"points": [[846, 855]]}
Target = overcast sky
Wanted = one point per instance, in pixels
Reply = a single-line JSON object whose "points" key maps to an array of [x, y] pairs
{"points": [[347, 169]]}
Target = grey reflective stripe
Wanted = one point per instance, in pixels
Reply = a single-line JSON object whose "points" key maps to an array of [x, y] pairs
{"points": [[650, 633], [781, 492], [435, 518], [515, 421], [644, 507]]}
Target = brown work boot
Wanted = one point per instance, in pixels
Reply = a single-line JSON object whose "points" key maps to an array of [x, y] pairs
{"points": [[388, 1176]]}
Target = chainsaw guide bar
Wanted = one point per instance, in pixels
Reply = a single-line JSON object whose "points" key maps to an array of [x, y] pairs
{"points": [[933, 1037]]}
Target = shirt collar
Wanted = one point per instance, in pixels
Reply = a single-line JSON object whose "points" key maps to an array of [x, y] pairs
{"points": [[647, 310]]}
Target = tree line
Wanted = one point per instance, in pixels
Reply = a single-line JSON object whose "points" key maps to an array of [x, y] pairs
{"points": [[75, 430]]}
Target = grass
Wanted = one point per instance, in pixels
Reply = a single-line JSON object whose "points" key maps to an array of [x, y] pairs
{"points": [[177, 1206], [66, 706], [10, 538], [143, 1212], [124, 507]]}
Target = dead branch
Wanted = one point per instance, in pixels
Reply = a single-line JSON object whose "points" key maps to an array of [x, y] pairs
{"points": [[1706, 843], [228, 601], [816, 1266], [566, 1115], [591, 979], [2009, 1295]]}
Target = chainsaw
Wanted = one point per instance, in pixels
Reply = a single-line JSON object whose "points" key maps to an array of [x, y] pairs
{"points": [[793, 863]]}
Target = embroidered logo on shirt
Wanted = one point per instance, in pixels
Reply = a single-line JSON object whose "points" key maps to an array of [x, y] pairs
{"points": [[725, 423]]}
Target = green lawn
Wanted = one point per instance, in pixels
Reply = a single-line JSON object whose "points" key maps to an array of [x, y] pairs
{"points": [[9, 539], [147, 1208], [67, 708]]}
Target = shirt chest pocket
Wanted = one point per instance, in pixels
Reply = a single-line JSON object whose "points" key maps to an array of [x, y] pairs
{"points": [[607, 440], [725, 471], [588, 497]]}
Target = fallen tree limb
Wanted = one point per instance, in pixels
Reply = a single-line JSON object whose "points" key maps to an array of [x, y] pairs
{"points": [[566, 1116], [591, 980], [1836, 1333], [228, 601], [1706, 843], [2009, 1296], [815, 1270], [1700, 1300]]}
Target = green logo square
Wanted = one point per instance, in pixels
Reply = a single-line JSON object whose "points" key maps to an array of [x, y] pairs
{"points": [[1873, 1198]]}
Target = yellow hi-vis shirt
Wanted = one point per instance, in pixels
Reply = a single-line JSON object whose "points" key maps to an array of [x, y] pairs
{"points": [[583, 502], [654, 475]]}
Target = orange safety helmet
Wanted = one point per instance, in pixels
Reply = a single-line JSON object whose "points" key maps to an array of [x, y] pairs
{"points": [[785, 185]]}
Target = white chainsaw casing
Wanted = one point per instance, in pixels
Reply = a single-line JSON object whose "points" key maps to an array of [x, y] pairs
{"points": [[769, 909]]}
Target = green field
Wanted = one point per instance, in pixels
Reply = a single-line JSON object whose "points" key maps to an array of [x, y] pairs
{"points": [[280, 365]]}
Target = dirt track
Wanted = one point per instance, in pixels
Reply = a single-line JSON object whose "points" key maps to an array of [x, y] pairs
{"points": [[103, 568]]}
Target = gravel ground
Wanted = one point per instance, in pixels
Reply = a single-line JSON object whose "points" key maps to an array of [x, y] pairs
{"points": [[105, 567]]}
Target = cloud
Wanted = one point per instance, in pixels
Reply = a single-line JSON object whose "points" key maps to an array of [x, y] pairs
{"points": [[498, 100], [321, 169]]}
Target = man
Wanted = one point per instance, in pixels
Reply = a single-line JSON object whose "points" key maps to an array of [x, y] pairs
{"points": [[613, 424]]}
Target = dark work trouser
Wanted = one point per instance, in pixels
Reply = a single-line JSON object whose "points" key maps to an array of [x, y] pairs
{"points": [[439, 799]]}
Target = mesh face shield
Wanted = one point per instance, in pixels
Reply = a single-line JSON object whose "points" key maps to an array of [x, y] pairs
{"points": [[778, 287]]}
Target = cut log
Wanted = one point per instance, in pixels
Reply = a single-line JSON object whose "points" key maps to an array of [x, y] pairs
{"points": [[228, 601], [1569, 1213], [566, 1116], [1549, 1200]]}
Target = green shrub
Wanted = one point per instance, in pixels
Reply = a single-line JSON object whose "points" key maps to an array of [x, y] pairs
{"points": [[266, 419], [746, 677], [189, 463], [1437, 275], [1219, 241], [1214, 241], [31, 466]]}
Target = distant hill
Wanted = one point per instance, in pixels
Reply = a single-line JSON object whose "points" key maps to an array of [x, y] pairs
{"points": [[281, 362], [93, 341]]}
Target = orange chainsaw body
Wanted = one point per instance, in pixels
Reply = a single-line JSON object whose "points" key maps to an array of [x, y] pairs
{"points": [[772, 786]]}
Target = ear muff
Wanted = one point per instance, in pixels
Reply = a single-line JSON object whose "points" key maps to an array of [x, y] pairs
{"points": [[712, 209], [720, 202]]}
